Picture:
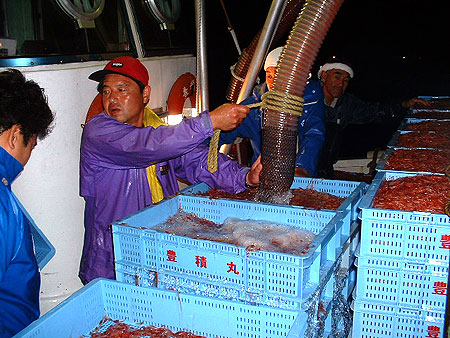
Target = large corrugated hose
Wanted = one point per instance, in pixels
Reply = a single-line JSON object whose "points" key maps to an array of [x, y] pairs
{"points": [[239, 71], [279, 134]]}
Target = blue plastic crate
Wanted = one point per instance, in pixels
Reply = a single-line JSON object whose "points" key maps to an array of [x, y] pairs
{"points": [[374, 320], [350, 190], [407, 121], [412, 236], [43, 249], [432, 97], [82, 312], [150, 258], [413, 110], [400, 283], [393, 142], [388, 153]]}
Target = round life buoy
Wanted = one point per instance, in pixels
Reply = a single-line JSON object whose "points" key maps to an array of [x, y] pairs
{"points": [[95, 108], [182, 89]]}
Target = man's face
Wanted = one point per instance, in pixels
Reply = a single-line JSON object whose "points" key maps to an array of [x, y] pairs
{"points": [[22, 152], [123, 100], [270, 76], [335, 82]]}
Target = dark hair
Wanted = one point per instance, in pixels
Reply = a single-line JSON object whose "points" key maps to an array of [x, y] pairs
{"points": [[24, 103]]}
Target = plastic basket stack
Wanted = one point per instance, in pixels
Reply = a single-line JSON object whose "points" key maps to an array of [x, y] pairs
{"points": [[146, 257], [216, 289], [403, 260], [84, 310]]}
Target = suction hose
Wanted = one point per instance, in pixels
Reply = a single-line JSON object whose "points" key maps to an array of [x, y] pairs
{"points": [[280, 122], [240, 69]]}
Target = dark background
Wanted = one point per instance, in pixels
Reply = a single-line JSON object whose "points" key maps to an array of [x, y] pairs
{"points": [[397, 50]]}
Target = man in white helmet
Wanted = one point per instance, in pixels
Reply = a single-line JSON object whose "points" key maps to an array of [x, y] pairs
{"points": [[311, 127], [342, 108]]}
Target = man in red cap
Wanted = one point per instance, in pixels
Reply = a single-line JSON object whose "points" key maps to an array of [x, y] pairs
{"points": [[116, 149]]}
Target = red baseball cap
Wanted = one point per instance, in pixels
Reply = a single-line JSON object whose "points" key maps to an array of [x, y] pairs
{"points": [[124, 65]]}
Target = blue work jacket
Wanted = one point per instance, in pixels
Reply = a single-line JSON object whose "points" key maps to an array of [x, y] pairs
{"points": [[311, 126], [19, 275]]}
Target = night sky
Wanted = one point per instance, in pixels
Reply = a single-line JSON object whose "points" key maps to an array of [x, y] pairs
{"points": [[397, 50]]}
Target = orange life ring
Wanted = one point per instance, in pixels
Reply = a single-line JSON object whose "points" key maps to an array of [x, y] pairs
{"points": [[95, 108], [182, 89]]}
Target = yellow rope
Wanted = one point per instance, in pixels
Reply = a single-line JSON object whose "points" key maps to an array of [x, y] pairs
{"points": [[212, 154], [273, 99], [283, 102]]}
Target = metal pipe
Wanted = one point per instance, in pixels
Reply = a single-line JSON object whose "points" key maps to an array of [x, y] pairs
{"points": [[138, 43], [270, 26], [202, 73]]}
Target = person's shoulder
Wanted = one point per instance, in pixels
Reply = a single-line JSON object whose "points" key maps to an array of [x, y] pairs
{"points": [[313, 91], [101, 124], [258, 90], [99, 120], [349, 97], [152, 119]]}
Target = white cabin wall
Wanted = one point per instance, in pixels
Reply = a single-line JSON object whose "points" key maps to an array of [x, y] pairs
{"points": [[49, 185]]}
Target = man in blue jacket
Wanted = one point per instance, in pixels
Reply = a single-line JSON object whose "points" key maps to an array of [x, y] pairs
{"points": [[24, 117], [116, 149], [311, 127]]}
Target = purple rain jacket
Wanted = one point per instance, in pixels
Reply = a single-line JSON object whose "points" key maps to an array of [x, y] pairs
{"points": [[113, 179]]}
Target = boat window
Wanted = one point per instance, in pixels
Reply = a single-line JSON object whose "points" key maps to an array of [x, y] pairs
{"points": [[43, 28], [166, 26], [56, 31]]}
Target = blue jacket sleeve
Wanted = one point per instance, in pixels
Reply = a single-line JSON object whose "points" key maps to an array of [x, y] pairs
{"points": [[193, 167], [112, 144], [249, 128], [311, 129]]}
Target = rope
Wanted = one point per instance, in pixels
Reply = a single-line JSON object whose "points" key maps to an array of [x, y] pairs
{"points": [[281, 101], [237, 77], [273, 99], [212, 154]]}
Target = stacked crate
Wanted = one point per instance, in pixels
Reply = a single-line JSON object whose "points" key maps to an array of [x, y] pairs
{"points": [[216, 289], [101, 299], [146, 257], [403, 259]]}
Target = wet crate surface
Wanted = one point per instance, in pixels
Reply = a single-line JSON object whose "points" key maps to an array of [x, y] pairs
{"points": [[395, 282], [150, 258], [82, 312], [395, 141], [373, 320], [417, 237], [351, 191], [407, 123], [381, 165]]}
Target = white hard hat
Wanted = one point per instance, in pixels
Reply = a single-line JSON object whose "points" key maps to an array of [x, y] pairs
{"points": [[273, 57]]}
